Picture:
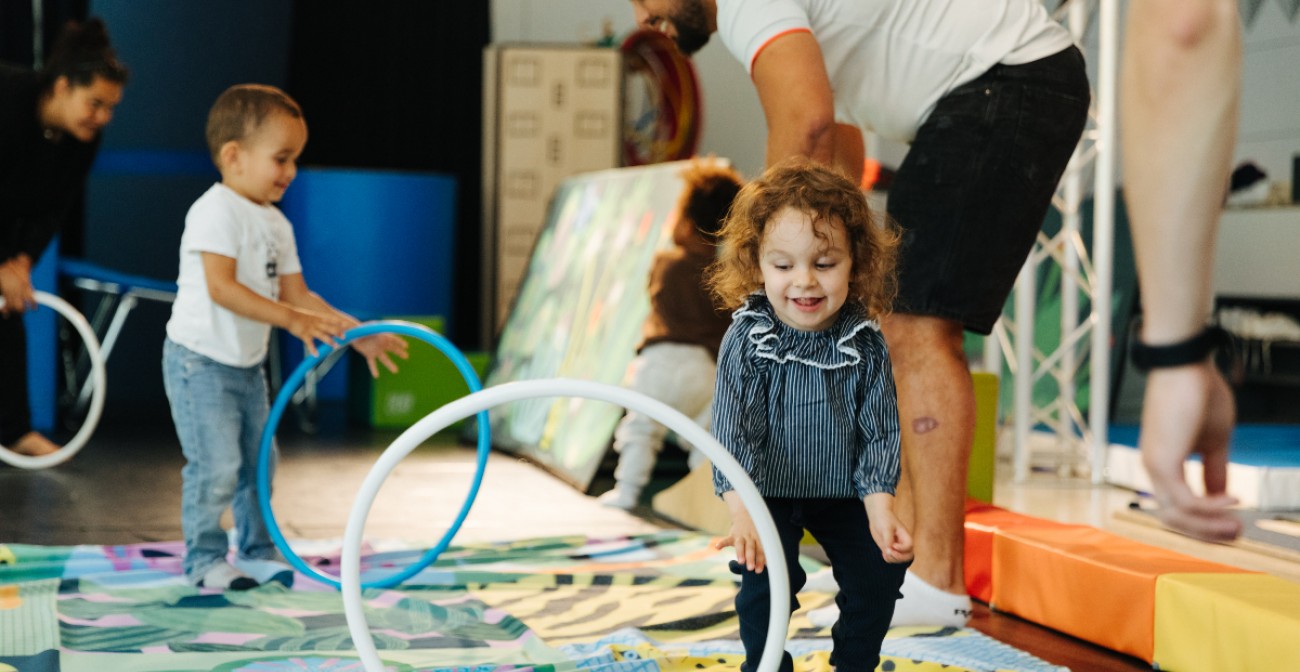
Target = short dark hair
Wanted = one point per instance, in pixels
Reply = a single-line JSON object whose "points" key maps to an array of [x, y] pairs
{"points": [[704, 201], [81, 53], [240, 110]]}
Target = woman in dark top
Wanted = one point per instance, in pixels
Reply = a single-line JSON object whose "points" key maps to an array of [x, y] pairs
{"points": [[49, 133]]}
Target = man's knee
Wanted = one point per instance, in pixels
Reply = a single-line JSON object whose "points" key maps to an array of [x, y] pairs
{"points": [[921, 337]]}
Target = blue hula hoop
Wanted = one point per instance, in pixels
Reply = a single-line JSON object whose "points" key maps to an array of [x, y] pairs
{"points": [[292, 384]]}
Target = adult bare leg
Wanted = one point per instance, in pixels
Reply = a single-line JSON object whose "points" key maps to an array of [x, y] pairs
{"points": [[936, 406]]}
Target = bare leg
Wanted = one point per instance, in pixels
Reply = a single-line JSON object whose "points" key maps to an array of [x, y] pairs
{"points": [[1180, 88], [936, 404]]}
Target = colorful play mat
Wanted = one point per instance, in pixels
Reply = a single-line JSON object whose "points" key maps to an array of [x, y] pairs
{"points": [[650, 603]]}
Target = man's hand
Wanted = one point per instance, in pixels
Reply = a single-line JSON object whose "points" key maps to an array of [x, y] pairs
{"points": [[16, 285], [893, 539], [743, 535], [1190, 410]]}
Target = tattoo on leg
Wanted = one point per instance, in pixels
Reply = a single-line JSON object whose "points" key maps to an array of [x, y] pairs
{"points": [[923, 425]]}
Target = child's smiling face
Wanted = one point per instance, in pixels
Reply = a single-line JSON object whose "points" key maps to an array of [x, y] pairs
{"points": [[265, 162], [805, 275]]}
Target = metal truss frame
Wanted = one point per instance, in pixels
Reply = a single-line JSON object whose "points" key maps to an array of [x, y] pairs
{"points": [[1080, 444]]}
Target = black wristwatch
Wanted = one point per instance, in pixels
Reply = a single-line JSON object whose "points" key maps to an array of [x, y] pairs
{"points": [[1195, 349]]}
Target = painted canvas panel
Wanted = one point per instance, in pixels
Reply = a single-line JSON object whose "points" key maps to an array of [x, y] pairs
{"points": [[579, 311]]}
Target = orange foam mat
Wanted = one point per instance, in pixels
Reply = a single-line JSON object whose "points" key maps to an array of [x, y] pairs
{"points": [[1085, 582], [1225, 622], [982, 521]]}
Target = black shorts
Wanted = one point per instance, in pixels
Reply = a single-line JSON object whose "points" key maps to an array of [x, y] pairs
{"points": [[975, 186]]}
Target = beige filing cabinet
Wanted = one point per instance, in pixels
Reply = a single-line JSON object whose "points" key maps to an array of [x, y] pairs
{"points": [[550, 112]]}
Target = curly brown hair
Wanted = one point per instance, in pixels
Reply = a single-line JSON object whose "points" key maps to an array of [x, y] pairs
{"points": [[828, 197]]}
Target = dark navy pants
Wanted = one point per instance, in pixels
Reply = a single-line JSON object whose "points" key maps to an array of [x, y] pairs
{"points": [[868, 585], [15, 412]]}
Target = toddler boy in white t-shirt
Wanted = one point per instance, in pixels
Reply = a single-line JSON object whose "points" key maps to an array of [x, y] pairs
{"points": [[239, 276]]}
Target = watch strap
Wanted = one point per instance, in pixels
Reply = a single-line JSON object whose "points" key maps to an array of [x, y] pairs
{"points": [[1190, 351]]}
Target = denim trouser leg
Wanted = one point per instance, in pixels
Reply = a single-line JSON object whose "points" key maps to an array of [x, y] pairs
{"points": [[219, 411], [253, 541]]}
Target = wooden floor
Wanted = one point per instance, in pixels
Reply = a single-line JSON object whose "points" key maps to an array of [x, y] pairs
{"points": [[125, 487]]}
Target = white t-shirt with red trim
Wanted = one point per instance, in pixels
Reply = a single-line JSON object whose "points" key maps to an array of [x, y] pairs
{"points": [[260, 240], [889, 61]]}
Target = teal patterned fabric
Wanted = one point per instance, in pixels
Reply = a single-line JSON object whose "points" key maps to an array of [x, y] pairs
{"points": [[557, 604]]}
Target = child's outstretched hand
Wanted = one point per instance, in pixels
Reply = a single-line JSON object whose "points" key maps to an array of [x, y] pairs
{"points": [[893, 539], [310, 326], [378, 348], [743, 535]]}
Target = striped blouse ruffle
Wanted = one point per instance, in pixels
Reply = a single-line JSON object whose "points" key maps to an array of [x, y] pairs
{"points": [[810, 414]]}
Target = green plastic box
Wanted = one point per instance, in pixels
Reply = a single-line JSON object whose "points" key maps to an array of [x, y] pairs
{"points": [[424, 383]]}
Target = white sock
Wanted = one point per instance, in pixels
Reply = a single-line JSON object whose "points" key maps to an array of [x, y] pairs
{"points": [[923, 604], [824, 617], [821, 581]]}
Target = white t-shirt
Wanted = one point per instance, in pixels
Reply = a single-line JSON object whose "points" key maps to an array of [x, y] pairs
{"points": [[260, 240], [889, 61]]}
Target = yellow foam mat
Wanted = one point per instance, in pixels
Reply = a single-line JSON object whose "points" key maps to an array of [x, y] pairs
{"points": [[1226, 622], [1086, 582]]}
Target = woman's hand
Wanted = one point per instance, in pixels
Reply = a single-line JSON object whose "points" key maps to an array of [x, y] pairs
{"points": [[893, 539], [743, 535], [16, 285]]}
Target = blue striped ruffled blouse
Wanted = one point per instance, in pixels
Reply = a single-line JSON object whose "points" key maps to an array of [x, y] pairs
{"points": [[809, 414]]}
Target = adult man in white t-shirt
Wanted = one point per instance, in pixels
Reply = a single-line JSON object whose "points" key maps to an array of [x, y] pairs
{"points": [[992, 97]]}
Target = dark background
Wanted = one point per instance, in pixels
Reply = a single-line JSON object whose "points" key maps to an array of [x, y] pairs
{"points": [[394, 85]]}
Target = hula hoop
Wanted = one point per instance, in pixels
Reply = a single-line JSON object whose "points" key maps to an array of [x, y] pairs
{"points": [[99, 381], [291, 385], [779, 619], [678, 118]]}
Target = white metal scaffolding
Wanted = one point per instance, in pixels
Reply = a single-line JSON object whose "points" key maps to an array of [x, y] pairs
{"points": [[1080, 443]]}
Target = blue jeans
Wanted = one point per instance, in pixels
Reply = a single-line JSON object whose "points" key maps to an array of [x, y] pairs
{"points": [[219, 412], [868, 585]]}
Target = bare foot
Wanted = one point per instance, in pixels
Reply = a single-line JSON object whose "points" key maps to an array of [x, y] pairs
{"points": [[35, 445]]}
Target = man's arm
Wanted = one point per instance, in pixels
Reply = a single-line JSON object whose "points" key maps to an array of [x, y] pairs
{"points": [[798, 103], [1179, 96]]}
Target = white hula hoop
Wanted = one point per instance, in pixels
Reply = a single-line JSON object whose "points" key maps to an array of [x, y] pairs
{"points": [[350, 577], [98, 382]]}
